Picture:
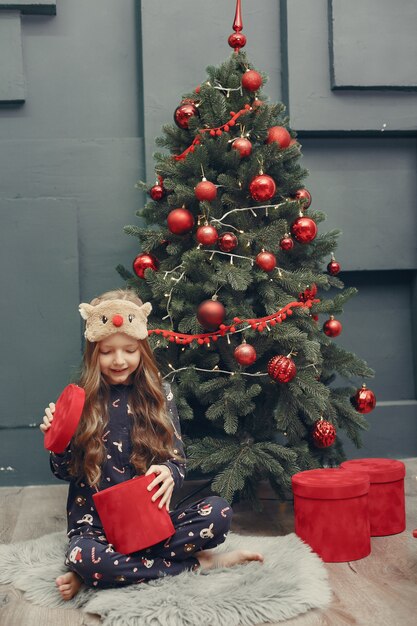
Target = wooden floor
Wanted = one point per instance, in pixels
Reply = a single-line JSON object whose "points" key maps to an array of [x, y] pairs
{"points": [[379, 590]]}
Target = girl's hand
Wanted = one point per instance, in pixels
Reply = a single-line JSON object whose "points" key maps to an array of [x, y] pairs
{"points": [[167, 487], [48, 418]]}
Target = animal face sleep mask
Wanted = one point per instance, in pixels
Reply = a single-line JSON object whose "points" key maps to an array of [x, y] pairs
{"points": [[115, 316]]}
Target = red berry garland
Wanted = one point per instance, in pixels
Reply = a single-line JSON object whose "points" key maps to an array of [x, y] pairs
{"points": [[364, 400], [324, 434], [281, 368]]}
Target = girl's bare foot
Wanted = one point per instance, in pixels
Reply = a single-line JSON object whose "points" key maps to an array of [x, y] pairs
{"points": [[68, 585], [208, 560]]}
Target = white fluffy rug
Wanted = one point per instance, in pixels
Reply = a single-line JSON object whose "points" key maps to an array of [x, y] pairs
{"points": [[291, 581]]}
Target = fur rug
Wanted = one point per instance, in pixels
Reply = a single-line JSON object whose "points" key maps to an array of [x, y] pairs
{"points": [[291, 581]]}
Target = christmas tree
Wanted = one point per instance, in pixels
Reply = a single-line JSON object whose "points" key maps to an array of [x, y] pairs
{"points": [[232, 261]]}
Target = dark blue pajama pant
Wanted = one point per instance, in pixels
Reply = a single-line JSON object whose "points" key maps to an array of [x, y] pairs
{"points": [[200, 526]]}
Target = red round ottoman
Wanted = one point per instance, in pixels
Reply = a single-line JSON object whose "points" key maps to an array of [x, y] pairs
{"points": [[331, 513], [386, 493]]}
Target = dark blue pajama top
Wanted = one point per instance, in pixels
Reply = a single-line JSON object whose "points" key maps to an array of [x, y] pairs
{"points": [[81, 513]]}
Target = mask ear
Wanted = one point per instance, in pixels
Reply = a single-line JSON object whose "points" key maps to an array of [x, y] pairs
{"points": [[146, 308], [85, 310]]}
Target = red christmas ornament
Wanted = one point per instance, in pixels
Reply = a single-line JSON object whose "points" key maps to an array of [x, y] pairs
{"points": [[324, 434], [257, 103], [228, 242], [305, 196], [309, 293], [144, 261], [279, 135], [262, 188], [180, 221], [207, 235], [251, 80], [243, 146], [211, 314], [333, 267], [332, 327], [245, 354], [157, 192], [304, 229], [364, 400], [183, 113], [281, 368], [266, 261], [237, 41], [205, 190], [286, 243]]}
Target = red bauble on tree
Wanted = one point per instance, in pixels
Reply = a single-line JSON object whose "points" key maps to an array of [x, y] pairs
{"points": [[183, 113], [211, 314], [245, 354], [324, 434], [145, 261], [157, 192], [205, 191], [266, 261], [364, 400], [262, 188], [305, 196], [227, 242], [279, 135], [243, 146], [333, 267], [309, 293], [251, 80], [207, 235], [304, 229], [286, 243], [281, 368], [332, 327], [180, 221]]}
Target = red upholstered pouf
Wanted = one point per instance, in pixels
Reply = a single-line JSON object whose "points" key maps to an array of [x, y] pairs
{"points": [[386, 493], [331, 513]]}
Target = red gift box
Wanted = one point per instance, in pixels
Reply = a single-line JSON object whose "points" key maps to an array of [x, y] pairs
{"points": [[130, 519], [331, 513], [386, 493], [68, 410]]}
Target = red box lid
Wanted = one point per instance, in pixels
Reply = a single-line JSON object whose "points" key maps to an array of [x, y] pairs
{"points": [[68, 410], [378, 470], [130, 519], [330, 484]]}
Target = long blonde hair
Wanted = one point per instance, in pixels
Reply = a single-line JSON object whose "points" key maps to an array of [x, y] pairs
{"points": [[151, 431]]}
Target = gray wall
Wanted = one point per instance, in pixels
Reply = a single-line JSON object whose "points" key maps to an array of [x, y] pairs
{"points": [[73, 150]]}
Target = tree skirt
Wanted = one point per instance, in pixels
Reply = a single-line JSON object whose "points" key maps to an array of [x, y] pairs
{"points": [[291, 581]]}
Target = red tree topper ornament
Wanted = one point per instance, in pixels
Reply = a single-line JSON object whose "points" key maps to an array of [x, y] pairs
{"points": [[211, 314], [279, 135], [281, 368], [333, 267], [183, 113], [262, 188], [332, 327], [227, 242], [237, 39], [324, 434], [266, 261], [180, 221], [304, 229], [205, 191], [243, 146], [251, 80], [207, 235], [286, 243], [364, 400], [245, 354], [144, 261], [305, 196]]}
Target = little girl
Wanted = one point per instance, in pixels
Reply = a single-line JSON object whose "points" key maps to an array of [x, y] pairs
{"points": [[129, 426]]}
